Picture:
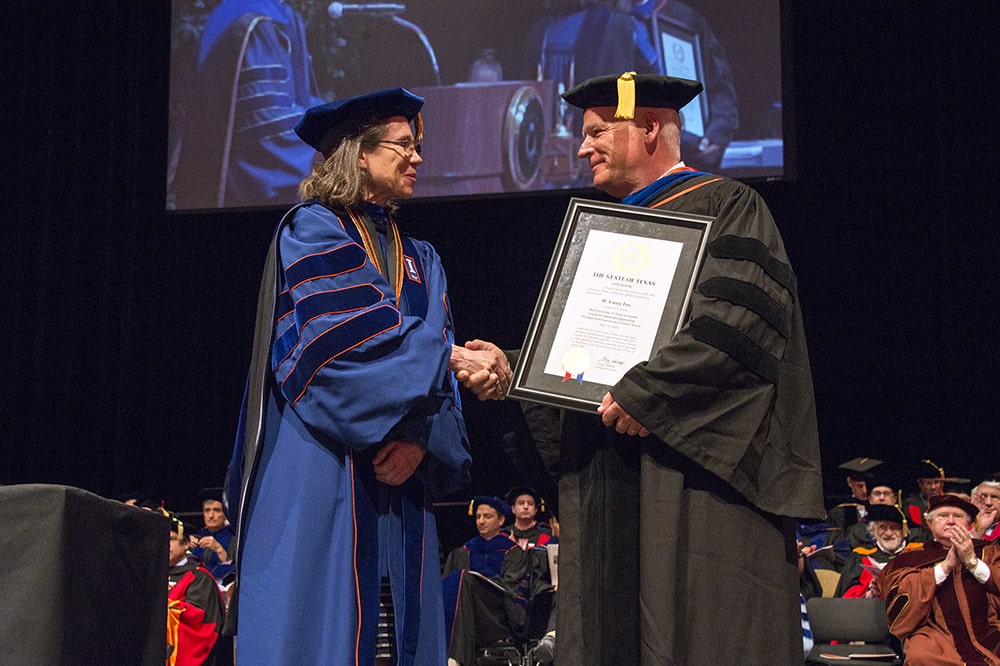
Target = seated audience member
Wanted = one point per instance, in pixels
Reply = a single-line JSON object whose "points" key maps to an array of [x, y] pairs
{"points": [[845, 520], [526, 529], [489, 599], [809, 587], [485, 552], [881, 492], [986, 497], [942, 599], [214, 539], [887, 528], [852, 509], [930, 481], [809, 584], [195, 608], [813, 535]]}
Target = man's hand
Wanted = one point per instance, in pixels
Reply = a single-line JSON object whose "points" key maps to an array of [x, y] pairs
{"points": [[612, 415], [207, 543], [804, 553], [962, 549], [951, 562], [482, 368], [397, 460], [984, 519]]}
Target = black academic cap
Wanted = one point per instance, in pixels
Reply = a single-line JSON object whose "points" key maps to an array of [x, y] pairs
{"points": [[630, 90], [889, 512], [860, 468], [213, 494], [153, 503], [323, 127], [136, 495], [936, 501], [881, 476], [176, 524], [927, 469], [517, 491]]}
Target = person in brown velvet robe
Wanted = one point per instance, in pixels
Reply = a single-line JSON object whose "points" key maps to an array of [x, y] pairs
{"points": [[942, 601]]}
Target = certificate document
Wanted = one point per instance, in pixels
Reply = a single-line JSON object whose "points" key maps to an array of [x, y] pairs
{"points": [[617, 290], [613, 310]]}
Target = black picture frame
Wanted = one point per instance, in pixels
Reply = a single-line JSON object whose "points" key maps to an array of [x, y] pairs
{"points": [[602, 307]]}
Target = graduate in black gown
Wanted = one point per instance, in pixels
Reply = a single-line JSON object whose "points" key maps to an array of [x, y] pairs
{"points": [[714, 435]]}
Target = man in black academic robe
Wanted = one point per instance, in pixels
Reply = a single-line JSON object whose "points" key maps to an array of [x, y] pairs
{"points": [[677, 545]]}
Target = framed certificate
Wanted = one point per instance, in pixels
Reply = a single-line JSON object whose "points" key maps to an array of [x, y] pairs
{"points": [[617, 288]]}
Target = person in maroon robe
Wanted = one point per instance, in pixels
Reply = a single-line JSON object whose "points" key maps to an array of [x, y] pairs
{"points": [[942, 601]]}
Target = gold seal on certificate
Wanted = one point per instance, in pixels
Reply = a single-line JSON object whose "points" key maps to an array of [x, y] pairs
{"points": [[575, 362]]}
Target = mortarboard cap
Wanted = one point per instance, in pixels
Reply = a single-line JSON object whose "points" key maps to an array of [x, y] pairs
{"points": [[888, 512], [936, 501], [323, 127], [860, 468], [630, 90]]}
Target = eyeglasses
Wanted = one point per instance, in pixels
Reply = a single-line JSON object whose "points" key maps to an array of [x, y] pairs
{"points": [[408, 145]]}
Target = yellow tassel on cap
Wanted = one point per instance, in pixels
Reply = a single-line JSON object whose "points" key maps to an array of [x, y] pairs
{"points": [[932, 464], [472, 505], [626, 96]]}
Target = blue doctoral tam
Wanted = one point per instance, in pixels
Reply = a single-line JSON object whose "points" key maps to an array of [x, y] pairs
{"points": [[324, 127], [489, 500]]}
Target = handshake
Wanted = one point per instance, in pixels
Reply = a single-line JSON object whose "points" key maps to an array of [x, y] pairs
{"points": [[482, 367]]}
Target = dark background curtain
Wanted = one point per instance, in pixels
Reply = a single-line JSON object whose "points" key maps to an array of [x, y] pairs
{"points": [[128, 330]]}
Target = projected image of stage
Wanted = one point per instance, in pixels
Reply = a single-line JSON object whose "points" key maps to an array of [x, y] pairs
{"points": [[243, 71]]}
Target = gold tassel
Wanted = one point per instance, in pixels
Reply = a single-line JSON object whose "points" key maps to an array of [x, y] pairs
{"points": [[899, 507], [626, 96], [932, 464], [472, 505], [180, 523]]}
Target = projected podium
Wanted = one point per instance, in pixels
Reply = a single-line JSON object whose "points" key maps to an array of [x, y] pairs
{"points": [[483, 137]]}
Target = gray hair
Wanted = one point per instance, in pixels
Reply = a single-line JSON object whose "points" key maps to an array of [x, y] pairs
{"points": [[989, 483]]}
